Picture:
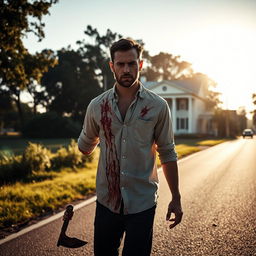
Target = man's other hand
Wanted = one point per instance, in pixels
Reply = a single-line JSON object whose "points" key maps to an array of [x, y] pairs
{"points": [[175, 209]]}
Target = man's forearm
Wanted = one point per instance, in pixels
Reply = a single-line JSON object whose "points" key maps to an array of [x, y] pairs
{"points": [[170, 170]]}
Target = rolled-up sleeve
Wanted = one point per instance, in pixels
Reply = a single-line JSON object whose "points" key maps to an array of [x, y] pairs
{"points": [[89, 136], [164, 138]]}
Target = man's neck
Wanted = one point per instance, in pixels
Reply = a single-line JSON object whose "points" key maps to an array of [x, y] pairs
{"points": [[127, 93]]}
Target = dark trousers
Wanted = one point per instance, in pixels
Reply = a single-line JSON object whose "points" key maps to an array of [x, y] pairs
{"points": [[110, 227]]}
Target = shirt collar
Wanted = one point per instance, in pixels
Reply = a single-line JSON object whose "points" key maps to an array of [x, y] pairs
{"points": [[140, 92]]}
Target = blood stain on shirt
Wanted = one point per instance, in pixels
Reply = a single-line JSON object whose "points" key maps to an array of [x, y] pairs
{"points": [[112, 162], [144, 111]]}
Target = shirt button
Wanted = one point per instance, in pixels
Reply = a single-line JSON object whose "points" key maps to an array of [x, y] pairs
{"points": [[122, 173], [122, 188], [124, 140], [123, 157]]}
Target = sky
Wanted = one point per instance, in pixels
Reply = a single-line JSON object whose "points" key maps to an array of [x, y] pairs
{"points": [[218, 37]]}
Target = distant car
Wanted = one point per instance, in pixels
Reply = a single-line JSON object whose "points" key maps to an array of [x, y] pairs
{"points": [[247, 133]]}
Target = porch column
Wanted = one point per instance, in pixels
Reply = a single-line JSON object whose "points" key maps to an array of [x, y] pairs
{"points": [[190, 115], [174, 115]]}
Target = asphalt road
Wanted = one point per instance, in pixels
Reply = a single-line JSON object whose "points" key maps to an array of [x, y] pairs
{"points": [[218, 187]]}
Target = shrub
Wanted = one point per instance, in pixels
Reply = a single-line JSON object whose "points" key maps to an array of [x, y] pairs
{"points": [[36, 157], [69, 157], [59, 158], [74, 157], [12, 168]]}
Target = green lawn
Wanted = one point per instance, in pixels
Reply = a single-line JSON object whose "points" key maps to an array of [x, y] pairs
{"points": [[13, 145], [186, 147]]}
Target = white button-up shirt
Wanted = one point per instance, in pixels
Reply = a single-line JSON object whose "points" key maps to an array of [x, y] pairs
{"points": [[127, 165]]}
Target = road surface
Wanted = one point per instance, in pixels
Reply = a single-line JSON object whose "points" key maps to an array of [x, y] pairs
{"points": [[218, 187]]}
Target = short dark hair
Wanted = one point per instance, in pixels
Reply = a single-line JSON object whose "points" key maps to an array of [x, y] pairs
{"points": [[125, 44]]}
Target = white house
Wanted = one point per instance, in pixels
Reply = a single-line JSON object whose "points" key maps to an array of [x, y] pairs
{"points": [[187, 101]]}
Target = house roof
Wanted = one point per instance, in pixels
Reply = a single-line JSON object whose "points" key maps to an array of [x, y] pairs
{"points": [[190, 85]]}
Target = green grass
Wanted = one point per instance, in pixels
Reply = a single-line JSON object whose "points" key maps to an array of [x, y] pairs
{"points": [[185, 147], [189, 146], [184, 150], [45, 192], [16, 146], [210, 142], [22, 201]]}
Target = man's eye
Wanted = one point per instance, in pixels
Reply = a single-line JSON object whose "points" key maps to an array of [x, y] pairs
{"points": [[120, 64]]}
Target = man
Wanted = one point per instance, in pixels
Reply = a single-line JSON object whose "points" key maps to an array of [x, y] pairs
{"points": [[131, 123]]}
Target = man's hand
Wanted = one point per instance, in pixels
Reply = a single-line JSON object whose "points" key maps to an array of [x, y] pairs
{"points": [[175, 208], [83, 152]]}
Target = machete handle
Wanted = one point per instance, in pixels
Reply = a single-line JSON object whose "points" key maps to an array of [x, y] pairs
{"points": [[68, 213]]}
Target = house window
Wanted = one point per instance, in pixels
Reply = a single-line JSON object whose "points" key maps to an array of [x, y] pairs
{"points": [[182, 104], [182, 123]]}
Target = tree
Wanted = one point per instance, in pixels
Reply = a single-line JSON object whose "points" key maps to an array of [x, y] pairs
{"points": [[209, 86], [14, 24], [165, 66], [96, 54], [70, 85], [5, 108], [9, 112], [36, 65]]}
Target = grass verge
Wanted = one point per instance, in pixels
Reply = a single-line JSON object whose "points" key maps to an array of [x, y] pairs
{"points": [[45, 193]]}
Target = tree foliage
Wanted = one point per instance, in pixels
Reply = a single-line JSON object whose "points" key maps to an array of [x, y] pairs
{"points": [[165, 66], [16, 72], [95, 52], [70, 85], [14, 24], [209, 85]]}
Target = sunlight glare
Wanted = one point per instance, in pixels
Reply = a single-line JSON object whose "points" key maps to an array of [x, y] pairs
{"points": [[226, 53]]}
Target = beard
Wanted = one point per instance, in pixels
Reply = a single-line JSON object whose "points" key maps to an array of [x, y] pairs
{"points": [[126, 81]]}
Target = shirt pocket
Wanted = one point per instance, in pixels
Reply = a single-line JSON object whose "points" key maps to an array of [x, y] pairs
{"points": [[144, 130]]}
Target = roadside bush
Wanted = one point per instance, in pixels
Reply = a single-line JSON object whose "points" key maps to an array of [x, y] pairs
{"points": [[74, 157], [51, 125], [36, 157], [12, 168], [69, 157], [59, 158]]}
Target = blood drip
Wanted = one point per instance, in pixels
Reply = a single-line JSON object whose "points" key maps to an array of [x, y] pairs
{"points": [[112, 162]]}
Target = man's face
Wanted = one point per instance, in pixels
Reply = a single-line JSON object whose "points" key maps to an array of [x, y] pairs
{"points": [[126, 67]]}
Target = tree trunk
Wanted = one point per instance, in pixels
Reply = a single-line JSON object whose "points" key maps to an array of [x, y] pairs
{"points": [[20, 110]]}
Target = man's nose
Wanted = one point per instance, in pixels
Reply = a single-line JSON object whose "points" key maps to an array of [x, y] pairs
{"points": [[126, 68]]}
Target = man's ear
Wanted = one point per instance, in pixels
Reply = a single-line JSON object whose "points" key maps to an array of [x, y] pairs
{"points": [[140, 65], [111, 65]]}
